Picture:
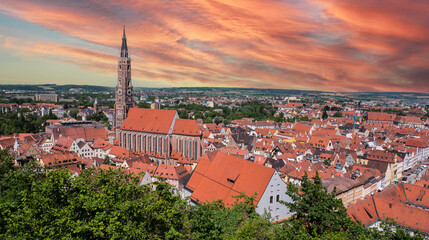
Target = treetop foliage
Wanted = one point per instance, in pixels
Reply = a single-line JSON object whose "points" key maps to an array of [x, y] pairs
{"points": [[110, 204]]}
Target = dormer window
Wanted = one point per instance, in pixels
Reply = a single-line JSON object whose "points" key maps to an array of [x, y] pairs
{"points": [[230, 180]]}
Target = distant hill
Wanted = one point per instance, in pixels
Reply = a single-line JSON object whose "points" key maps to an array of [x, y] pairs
{"points": [[54, 87], [220, 91]]}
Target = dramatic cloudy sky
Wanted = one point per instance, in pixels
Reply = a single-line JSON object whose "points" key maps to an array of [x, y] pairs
{"points": [[333, 45]]}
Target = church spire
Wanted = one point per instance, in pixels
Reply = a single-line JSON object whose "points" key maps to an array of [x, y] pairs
{"points": [[124, 96], [124, 47]]}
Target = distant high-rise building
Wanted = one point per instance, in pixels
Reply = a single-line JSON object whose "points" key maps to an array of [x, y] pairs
{"points": [[47, 97], [124, 89], [155, 105]]}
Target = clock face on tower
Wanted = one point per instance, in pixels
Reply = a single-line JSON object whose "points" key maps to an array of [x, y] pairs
{"points": [[119, 92], [129, 92]]}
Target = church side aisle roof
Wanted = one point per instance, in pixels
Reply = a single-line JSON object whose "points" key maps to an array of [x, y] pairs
{"points": [[186, 127]]}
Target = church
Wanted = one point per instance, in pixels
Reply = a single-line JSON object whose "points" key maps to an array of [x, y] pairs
{"points": [[159, 133]]}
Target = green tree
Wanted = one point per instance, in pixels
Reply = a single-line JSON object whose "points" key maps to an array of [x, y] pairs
{"points": [[143, 104], [325, 114], [316, 210], [338, 114], [107, 160], [111, 204], [73, 113]]}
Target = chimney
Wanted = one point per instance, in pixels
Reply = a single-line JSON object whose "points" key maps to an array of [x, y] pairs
{"points": [[390, 204]]}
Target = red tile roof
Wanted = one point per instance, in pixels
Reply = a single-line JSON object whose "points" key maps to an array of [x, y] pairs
{"points": [[319, 142], [120, 153], [101, 143], [186, 127], [87, 133], [63, 145], [7, 143], [138, 167], [60, 159], [395, 202], [363, 211], [171, 172], [417, 143], [404, 215], [381, 116], [302, 128], [149, 120], [379, 155], [222, 176]]}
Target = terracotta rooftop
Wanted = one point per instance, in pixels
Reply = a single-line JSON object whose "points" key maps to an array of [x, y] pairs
{"points": [[222, 176], [149, 120], [101, 143], [60, 159], [171, 172], [186, 127], [63, 145], [394, 202]]}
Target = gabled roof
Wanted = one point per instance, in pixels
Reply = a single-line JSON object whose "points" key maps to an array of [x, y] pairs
{"points": [[319, 142], [101, 143], [88, 133], [62, 145], [212, 127], [60, 159], [379, 155], [417, 143], [81, 144], [363, 211], [149, 120], [381, 116], [138, 167], [415, 194], [222, 176], [120, 153], [171, 172], [404, 215], [7, 143], [341, 184], [303, 128]]}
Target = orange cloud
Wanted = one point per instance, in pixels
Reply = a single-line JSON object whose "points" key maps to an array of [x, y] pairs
{"points": [[334, 45]]}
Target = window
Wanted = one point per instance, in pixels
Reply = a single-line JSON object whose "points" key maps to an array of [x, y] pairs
{"points": [[196, 150], [271, 199], [278, 198]]}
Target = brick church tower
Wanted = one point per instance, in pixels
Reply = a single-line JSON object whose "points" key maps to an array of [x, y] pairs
{"points": [[124, 96]]}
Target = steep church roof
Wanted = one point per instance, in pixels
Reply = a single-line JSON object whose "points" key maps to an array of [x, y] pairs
{"points": [[149, 120]]}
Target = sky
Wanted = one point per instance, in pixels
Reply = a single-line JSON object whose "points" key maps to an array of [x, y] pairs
{"points": [[328, 45]]}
